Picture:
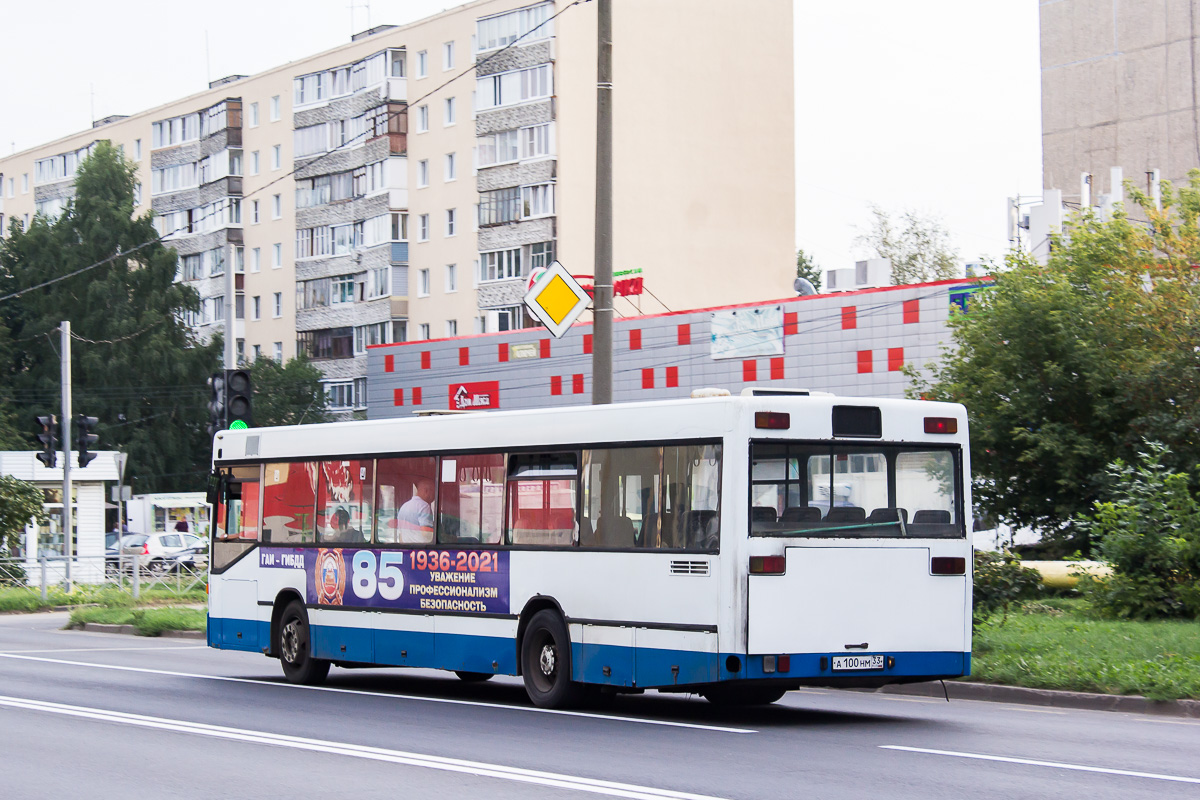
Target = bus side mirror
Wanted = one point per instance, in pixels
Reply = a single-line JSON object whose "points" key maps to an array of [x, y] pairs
{"points": [[216, 488]]}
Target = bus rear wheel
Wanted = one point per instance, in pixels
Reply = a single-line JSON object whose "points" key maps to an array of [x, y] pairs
{"points": [[546, 662], [295, 648], [733, 696]]}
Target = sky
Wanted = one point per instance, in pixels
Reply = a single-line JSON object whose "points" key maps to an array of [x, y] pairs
{"points": [[926, 105]]}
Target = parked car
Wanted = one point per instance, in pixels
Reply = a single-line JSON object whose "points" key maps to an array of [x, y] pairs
{"points": [[162, 552], [194, 557], [114, 560]]}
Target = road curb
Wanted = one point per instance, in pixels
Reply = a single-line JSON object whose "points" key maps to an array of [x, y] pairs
{"points": [[996, 693], [101, 627], [184, 635]]}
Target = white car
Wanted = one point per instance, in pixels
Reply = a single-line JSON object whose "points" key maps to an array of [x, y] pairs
{"points": [[161, 552]]}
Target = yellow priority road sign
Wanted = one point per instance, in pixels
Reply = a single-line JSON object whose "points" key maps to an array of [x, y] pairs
{"points": [[557, 299]]}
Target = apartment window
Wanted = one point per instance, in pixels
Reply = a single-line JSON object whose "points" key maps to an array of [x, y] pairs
{"points": [[257, 350], [278, 305], [448, 113], [537, 201], [423, 172], [256, 307], [451, 327], [379, 282], [422, 64], [498, 148], [277, 206], [424, 330], [504, 29], [423, 282], [499, 206], [276, 156], [25, 183], [279, 351], [254, 211], [254, 165], [423, 228], [276, 255], [535, 141], [137, 193], [541, 254], [340, 395], [450, 221], [137, 149], [451, 278], [507, 88], [451, 167], [252, 116], [399, 227], [256, 259], [397, 61], [275, 108], [341, 289], [367, 335], [500, 265], [422, 119]]}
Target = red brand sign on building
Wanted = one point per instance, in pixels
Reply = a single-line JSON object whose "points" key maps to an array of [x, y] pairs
{"points": [[469, 396]]}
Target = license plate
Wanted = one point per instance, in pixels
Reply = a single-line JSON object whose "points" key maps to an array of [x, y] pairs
{"points": [[841, 663]]}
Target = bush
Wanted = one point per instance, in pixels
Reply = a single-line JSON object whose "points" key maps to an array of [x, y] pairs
{"points": [[1149, 532], [1001, 581]]}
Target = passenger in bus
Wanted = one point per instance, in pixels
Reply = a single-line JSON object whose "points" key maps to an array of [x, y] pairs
{"points": [[342, 532], [415, 517]]}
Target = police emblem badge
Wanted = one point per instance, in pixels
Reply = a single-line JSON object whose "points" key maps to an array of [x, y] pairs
{"points": [[330, 577]]}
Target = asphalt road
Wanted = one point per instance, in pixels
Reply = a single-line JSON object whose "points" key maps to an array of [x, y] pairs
{"points": [[107, 716]]}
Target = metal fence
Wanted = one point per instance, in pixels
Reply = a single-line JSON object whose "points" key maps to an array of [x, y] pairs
{"points": [[125, 572]]}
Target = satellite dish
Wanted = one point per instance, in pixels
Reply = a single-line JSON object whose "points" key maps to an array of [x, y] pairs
{"points": [[804, 287]]}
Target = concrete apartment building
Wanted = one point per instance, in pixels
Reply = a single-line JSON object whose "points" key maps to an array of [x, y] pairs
{"points": [[1119, 89], [402, 186]]}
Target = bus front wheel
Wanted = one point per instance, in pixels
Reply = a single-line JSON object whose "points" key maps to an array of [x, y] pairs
{"points": [[546, 662], [295, 648]]}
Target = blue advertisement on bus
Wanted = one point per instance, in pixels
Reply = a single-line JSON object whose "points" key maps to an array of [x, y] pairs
{"points": [[472, 581]]}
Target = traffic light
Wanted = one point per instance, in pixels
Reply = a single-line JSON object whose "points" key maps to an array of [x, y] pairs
{"points": [[237, 399], [84, 438], [46, 429], [216, 403]]}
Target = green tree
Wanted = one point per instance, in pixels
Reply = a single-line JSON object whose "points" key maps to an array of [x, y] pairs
{"points": [[135, 365], [1069, 366], [807, 268], [287, 394], [918, 246], [20, 503]]}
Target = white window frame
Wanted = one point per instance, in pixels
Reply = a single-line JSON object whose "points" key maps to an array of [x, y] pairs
{"points": [[423, 228], [451, 168], [256, 259], [252, 116], [423, 119], [451, 278], [449, 113], [277, 156], [423, 282], [422, 63], [277, 305], [422, 173], [451, 222], [277, 255], [279, 352], [275, 111], [276, 206]]}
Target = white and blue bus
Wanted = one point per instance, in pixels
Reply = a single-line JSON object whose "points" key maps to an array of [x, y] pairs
{"points": [[730, 546]]}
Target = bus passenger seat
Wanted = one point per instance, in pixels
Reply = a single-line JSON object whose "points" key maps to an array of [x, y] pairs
{"points": [[701, 529], [801, 514], [846, 515], [931, 516], [762, 514], [881, 515]]}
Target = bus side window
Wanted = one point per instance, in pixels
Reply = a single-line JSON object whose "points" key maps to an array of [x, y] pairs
{"points": [[620, 506], [406, 500], [290, 502], [471, 499], [344, 501], [694, 473], [541, 499]]}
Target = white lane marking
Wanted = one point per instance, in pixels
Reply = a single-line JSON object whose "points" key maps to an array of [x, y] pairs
{"points": [[447, 700], [1035, 763], [107, 649], [478, 768]]}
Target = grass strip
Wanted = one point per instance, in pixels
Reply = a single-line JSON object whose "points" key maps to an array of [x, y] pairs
{"points": [[24, 598], [1057, 644], [147, 621]]}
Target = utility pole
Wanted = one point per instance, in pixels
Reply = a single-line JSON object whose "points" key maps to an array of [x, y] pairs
{"points": [[65, 433], [602, 298]]}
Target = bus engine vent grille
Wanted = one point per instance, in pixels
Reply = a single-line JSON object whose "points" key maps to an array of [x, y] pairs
{"points": [[689, 567]]}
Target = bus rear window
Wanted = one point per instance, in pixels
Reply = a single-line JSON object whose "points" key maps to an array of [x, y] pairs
{"points": [[863, 491]]}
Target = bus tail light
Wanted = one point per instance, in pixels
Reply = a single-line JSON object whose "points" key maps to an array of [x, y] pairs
{"points": [[941, 425], [767, 565], [948, 565], [772, 420]]}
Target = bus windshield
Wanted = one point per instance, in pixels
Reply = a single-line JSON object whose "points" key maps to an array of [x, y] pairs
{"points": [[855, 490]]}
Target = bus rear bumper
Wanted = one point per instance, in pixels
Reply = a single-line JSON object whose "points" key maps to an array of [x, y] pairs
{"points": [[855, 669]]}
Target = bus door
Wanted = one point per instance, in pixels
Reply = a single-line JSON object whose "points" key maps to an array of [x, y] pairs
{"points": [[864, 549], [233, 591]]}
